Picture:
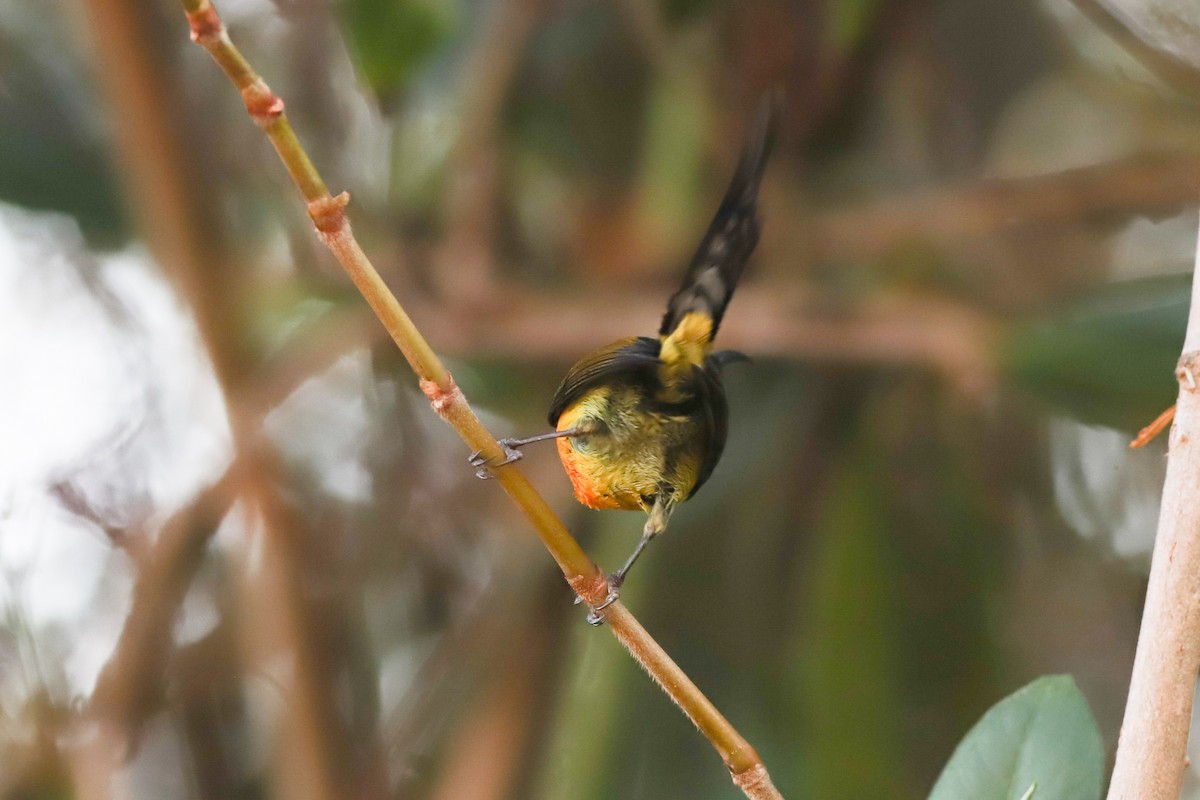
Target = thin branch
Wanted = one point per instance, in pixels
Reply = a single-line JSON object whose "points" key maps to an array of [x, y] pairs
{"points": [[1147, 434], [772, 320], [328, 214], [1152, 752], [130, 687], [1143, 183], [794, 321], [945, 336]]}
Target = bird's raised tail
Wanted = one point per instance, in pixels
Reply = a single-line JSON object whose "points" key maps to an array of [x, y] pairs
{"points": [[694, 312]]}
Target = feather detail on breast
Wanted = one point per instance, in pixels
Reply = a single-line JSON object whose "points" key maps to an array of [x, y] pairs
{"points": [[583, 480], [591, 477]]}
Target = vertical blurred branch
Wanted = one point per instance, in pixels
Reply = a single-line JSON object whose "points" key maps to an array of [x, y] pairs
{"points": [[328, 215], [168, 192], [1152, 753], [472, 196], [166, 187], [484, 760]]}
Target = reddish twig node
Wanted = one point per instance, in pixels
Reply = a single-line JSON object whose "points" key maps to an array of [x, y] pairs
{"points": [[329, 213], [205, 24], [264, 105], [442, 397], [594, 589]]}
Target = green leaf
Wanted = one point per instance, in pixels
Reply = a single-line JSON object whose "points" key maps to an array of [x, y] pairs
{"points": [[52, 153], [391, 39], [1109, 359], [1041, 739]]}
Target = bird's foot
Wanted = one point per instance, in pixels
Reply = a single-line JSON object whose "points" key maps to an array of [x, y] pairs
{"points": [[485, 465], [594, 617]]}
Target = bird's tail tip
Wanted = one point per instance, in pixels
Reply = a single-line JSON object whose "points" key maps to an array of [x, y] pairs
{"points": [[759, 144]]}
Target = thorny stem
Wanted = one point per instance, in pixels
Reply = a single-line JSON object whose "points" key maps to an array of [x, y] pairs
{"points": [[585, 578]]}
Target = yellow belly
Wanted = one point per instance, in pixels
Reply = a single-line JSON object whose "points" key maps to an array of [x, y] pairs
{"points": [[623, 467], [598, 481], [596, 484]]}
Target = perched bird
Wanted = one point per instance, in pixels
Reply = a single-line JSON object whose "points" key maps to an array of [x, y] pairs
{"points": [[641, 423]]}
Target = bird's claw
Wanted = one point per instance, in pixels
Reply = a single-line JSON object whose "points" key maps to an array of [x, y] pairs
{"points": [[484, 464], [594, 617]]}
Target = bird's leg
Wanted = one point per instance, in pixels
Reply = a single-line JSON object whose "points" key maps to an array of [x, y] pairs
{"points": [[660, 512], [511, 453], [618, 578]]}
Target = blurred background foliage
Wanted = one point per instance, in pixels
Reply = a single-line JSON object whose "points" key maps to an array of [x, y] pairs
{"points": [[970, 291]]}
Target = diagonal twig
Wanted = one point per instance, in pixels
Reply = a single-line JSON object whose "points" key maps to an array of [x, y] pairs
{"points": [[587, 580]]}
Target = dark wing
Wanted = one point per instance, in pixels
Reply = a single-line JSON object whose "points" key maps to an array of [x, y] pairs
{"points": [[626, 358], [731, 237], [715, 411]]}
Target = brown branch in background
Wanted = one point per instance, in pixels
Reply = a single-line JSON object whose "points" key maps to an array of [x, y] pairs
{"points": [[311, 764], [1152, 751], [209, 702], [783, 322], [1146, 183], [469, 645], [167, 187], [130, 686], [464, 262], [484, 759], [792, 322], [309, 355], [584, 576], [796, 321]]}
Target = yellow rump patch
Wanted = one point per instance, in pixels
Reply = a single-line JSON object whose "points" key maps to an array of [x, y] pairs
{"points": [[687, 345]]}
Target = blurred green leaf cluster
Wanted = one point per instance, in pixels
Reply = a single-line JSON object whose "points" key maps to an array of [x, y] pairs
{"points": [[1108, 358], [392, 39]]}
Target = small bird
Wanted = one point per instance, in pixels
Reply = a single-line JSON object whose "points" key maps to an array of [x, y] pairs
{"points": [[641, 423]]}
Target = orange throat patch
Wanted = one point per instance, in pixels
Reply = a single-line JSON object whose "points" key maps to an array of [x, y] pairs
{"points": [[587, 478], [586, 489]]}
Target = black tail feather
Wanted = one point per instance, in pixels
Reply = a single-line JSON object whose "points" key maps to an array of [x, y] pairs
{"points": [[732, 235]]}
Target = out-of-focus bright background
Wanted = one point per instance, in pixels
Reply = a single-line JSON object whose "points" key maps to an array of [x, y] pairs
{"points": [[966, 298]]}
